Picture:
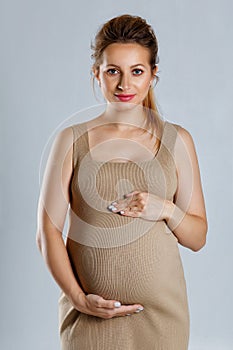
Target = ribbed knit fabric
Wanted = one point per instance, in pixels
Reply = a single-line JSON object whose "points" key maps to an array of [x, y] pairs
{"points": [[131, 260]]}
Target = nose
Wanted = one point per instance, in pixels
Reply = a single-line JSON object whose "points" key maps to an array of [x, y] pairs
{"points": [[124, 82]]}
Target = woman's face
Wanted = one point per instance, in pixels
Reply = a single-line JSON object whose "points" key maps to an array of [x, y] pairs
{"points": [[125, 73]]}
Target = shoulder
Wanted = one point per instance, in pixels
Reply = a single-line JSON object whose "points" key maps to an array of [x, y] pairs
{"points": [[183, 136], [181, 131], [184, 147], [78, 129], [62, 141], [69, 132], [63, 136]]}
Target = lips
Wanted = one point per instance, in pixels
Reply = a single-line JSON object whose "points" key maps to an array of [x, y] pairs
{"points": [[124, 97]]}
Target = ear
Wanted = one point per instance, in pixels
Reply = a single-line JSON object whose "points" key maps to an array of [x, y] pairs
{"points": [[155, 70], [95, 71]]}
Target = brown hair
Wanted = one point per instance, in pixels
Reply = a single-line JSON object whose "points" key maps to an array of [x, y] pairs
{"points": [[132, 29]]}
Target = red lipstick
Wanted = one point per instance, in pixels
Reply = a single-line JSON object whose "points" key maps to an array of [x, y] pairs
{"points": [[124, 97]]}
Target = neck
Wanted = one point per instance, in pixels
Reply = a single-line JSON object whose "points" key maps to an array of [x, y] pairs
{"points": [[124, 115]]}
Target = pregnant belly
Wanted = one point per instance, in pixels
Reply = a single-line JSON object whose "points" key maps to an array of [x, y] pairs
{"points": [[139, 272]]}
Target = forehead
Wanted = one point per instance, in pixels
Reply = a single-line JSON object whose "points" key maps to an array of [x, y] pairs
{"points": [[129, 53]]}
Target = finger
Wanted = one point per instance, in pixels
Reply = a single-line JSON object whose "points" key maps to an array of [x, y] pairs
{"points": [[118, 206], [132, 208], [131, 193], [100, 302], [136, 200], [135, 206], [135, 203], [135, 209], [114, 304], [126, 310], [128, 212], [121, 201]]}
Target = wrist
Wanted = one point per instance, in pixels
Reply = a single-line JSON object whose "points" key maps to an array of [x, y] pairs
{"points": [[79, 301], [173, 215], [76, 296], [169, 208]]}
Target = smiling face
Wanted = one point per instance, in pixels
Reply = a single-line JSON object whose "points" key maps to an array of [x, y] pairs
{"points": [[125, 74]]}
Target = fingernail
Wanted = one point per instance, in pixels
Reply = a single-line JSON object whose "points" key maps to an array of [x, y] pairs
{"points": [[139, 309], [117, 304], [122, 212], [111, 207], [128, 314]]}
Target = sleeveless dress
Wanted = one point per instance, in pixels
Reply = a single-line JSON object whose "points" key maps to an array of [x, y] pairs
{"points": [[131, 260]]}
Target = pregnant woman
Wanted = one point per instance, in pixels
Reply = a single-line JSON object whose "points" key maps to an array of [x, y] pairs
{"points": [[131, 184]]}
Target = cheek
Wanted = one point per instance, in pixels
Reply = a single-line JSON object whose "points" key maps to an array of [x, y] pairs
{"points": [[144, 82], [108, 83], [144, 86]]}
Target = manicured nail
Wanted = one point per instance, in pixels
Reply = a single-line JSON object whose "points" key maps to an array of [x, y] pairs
{"points": [[117, 304], [122, 212], [111, 207], [128, 314], [139, 309]]}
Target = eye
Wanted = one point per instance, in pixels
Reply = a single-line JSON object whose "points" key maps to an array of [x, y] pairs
{"points": [[112, 71], [138, 71]]}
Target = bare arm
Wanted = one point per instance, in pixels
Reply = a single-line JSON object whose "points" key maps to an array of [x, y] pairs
{"points": [[186, 217], [52, 209]]}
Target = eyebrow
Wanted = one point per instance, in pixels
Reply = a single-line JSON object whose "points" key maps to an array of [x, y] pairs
{"points": [[135, 65]]}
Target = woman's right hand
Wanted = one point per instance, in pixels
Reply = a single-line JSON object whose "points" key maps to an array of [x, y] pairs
{"points": [[96, 305]]}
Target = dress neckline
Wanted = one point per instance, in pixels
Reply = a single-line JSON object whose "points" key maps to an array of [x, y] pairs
{"points": [[131, 162]]}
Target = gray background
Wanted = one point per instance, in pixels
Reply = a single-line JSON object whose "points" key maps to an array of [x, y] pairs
{"points": [[45, 79]]}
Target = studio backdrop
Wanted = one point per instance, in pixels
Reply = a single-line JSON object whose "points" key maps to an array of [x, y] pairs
{"points": [[46, 85]]}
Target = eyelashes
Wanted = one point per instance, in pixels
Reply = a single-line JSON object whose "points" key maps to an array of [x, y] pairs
{"points": [[113, 71], [138, 70]]}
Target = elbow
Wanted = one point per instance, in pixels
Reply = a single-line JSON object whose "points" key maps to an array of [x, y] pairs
{"points": [[199, 246], [201, 241]]}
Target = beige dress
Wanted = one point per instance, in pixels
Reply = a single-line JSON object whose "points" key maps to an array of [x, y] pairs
{"points": [[131, 260]]}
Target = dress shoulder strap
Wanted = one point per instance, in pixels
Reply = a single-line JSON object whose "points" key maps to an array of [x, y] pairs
{"points": [[169, 137], [80, 146], [80, 139]]}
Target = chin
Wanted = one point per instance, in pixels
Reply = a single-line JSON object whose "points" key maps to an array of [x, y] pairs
{"points": [[123, 106]]}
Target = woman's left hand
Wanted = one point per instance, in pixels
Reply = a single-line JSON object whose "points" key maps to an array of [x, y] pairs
{"points": [[141, 204]]}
